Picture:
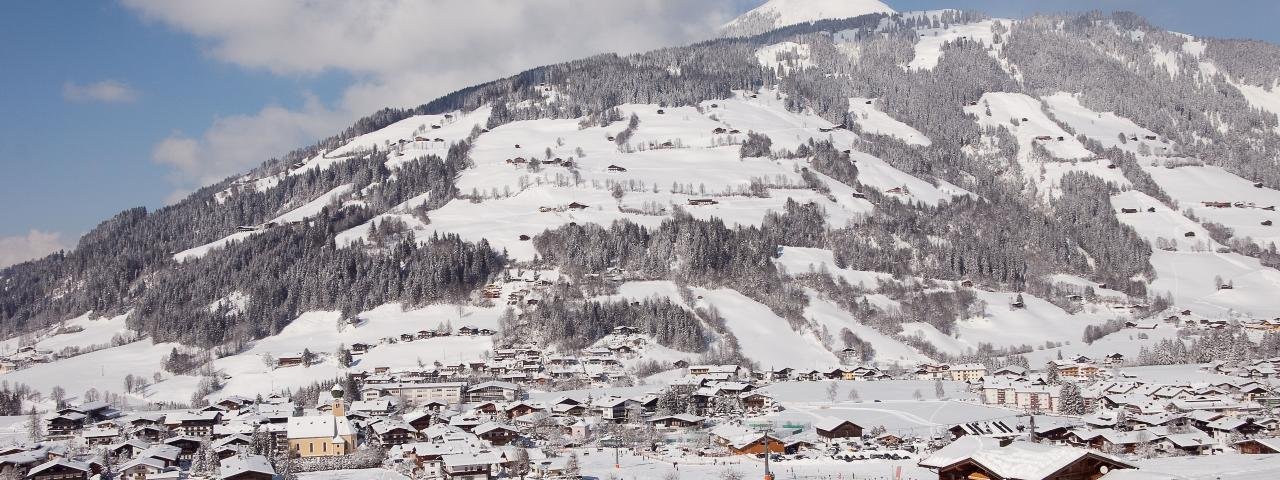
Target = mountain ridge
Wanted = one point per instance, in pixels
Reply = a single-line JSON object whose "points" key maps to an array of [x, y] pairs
{"points": [[931, 191]]}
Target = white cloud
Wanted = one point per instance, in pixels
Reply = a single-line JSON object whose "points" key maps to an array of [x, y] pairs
{"points": [[35, 244], [405, 52], [235, 144], [106, 91]]}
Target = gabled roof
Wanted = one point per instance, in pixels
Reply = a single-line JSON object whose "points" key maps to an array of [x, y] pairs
{"points": [[962, 448], [63, 462], [1025, 460], [244, 463]]}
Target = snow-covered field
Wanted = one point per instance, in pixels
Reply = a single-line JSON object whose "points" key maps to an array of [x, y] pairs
{"points": [[763, 335], [872, 120]]}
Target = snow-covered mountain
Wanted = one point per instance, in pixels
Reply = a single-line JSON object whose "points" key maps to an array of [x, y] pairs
{"points": [[886, 188], [780, 13]]}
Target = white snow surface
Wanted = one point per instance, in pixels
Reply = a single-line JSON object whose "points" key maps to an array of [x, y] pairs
{"points": [[780, 13], [785, 57], [872, 120], [313, 207], [764, 336], [1009, 109]]}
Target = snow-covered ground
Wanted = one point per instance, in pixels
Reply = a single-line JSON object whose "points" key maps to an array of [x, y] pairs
{"points": [[928, 51], [764, 336], [202, 250], [785, 57], [872, 120], [1024, 118], [313, 207], [780, 13], [1001, 325]]}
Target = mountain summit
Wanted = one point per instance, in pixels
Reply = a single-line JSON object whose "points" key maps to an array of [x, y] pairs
{"points": [[780, 13]]}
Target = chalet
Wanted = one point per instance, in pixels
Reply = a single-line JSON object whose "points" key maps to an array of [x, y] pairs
{"points": [[419, 420], [187, 445], [469, 466], [702, 201], [754, 444], [716, 131], [1257, 185], [1151, 209], [1255, 446], [289, 360], [616, 168], [895, 191], [1044, 137], [1128, 210], [832, 428], [496, 434], [1266, 223], [393, 432], [756, 401], [195, 424], [65, 424], [577, 206], [678, 421], [1112, 166], [1212, 204], [100, 435], [1189, 234], [245, 467], [661, 111], [734, 131], [60, 469], [1149, 137], [146, 467], [231, 445], [1031, 461]]}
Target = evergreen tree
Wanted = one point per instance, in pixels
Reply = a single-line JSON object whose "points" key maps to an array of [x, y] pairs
{"points": [[1070, 402]]}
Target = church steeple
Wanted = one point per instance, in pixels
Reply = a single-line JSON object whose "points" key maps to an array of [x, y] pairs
{"points": [[339, 408]]}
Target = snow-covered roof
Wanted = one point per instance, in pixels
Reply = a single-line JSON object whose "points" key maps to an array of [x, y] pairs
{"points": [[72, 464], [1032, 460], [315, 426], [244, 463], [960, 449]]}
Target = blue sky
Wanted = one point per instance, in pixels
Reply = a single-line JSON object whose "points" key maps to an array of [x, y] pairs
{"points": [[118, 104]]}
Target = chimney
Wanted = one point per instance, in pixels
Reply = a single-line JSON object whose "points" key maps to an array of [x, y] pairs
{"points": [[339, 408]]}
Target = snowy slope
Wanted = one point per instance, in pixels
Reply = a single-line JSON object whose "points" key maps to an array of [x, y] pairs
{"points": [[780, 13], [888, 349], [785, 57], [313, 207], [1162, 225], [201, 250], [872, 120], [1023, 117], [1105, 127], [1001, 325], [763, 335], [1193, 185], [928, 48]]}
